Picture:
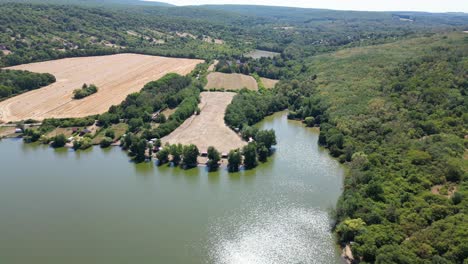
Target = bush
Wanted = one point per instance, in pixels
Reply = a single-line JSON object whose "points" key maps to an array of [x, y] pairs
{"points": [[59, 141], [85, 91], [82, 143], [110, 133], [106, 142], [309, 121]]}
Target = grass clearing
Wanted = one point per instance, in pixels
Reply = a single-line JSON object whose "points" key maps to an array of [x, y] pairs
{"points": [[257, 54]]}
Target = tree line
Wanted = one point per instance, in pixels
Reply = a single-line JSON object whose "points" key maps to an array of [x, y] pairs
{"points": [[13, 82]]}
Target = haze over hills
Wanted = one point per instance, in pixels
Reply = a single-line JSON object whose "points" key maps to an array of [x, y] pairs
{"points": [[93, 2]]}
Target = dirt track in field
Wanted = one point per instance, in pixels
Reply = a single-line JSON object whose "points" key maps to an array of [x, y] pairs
{"points": [[116, 76], [208, 128], [233, 81]]}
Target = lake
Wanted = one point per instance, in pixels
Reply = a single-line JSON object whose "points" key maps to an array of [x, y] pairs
{"points": [[95, 206]]}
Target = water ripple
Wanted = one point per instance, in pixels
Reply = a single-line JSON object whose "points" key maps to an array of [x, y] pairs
{"points": [[285, 235]]}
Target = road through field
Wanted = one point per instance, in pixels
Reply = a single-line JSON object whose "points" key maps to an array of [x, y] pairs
{"points": [[116, 76], [208, 128]]}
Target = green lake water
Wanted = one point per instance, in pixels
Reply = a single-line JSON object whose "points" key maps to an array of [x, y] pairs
{"points": [[58, 206]]}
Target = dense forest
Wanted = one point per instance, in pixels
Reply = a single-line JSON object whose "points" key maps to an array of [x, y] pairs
{"points": [[36, 32], [388, 91], [396, 114]]}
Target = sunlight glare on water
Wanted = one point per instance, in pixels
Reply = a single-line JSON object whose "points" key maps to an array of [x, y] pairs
{"points": [[285, 235]]}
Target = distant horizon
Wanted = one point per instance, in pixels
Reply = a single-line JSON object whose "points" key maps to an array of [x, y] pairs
{"points": [[447, 6]]}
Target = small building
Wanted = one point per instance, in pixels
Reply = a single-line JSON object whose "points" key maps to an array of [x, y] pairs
{"points": [[224, 155], [204, 153], [18, 130]]}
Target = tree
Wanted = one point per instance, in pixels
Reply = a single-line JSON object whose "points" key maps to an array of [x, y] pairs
{"points": [[309, 121], [157, 143], [140, 150], [163, 156], [161, 118], [266, 137], [234, 160], [263, 152], [249, 132], [250, 156], [390, 254], [59, 141], [419, 157], [190, 154], [349, 228], [135, 124], [176, 153], [213, 159], [82, 143]]}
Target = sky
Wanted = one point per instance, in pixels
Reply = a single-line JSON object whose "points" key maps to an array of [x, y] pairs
{"points": [[362, 5]]}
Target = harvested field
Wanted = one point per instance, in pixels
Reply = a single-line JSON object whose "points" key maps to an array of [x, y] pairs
{"points": [[208, 128], [257, 54], [233, 81], [116, 76], [269, 83]]}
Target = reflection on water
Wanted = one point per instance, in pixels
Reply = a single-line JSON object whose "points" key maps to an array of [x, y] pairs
{"points": [[272, 235], [99, 207]]}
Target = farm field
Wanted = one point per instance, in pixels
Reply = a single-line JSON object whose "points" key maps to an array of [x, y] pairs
{"points": [[269, 83], [208, 128], [116, 76], [233, 81]]}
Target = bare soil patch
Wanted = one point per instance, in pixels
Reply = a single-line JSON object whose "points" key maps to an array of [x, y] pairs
{"points": [[6, 52], [208, 128], [269, 83], [233, 81], [444, 190], [116, 76]]}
